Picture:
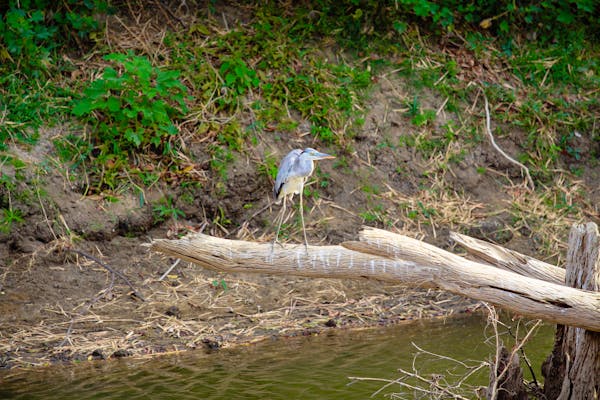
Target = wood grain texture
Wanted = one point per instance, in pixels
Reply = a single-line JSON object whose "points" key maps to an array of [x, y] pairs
{"points": [[386, 256], [510, 260], [572, 371]]}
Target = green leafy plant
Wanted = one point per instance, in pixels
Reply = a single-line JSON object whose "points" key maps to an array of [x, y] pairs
{"points": [[30, 30], [567, 147], [375, 214], [238, 76], [219, 283], [9, 217], [423, 118], [9, 214], [25, 105], [221, 157], [73, 149], [268, 167], [323, 133], [421, 210], [324, 178], [133, 107], [359, 24], [166, 210], [221, 218]]}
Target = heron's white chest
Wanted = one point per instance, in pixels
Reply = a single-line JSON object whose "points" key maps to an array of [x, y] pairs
{"points": [[293, 186]]}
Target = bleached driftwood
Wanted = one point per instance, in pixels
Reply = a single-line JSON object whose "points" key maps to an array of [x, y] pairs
{"points": [[510, 260], [395, 258]]}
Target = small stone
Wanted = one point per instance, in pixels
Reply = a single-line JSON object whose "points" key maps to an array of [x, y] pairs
{"points": [[121, 353], [211, 344], [97, 355], [173, 311]]}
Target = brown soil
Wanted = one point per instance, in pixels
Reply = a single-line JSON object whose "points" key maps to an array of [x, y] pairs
{"points": [[56, 305]]}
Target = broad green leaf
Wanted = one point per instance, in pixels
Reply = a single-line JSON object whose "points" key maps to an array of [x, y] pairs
{"points": [[82, 107], [113, 104], [133, 137]]}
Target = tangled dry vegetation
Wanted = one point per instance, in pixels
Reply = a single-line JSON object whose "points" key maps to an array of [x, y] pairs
{"points": [[189, 310]]}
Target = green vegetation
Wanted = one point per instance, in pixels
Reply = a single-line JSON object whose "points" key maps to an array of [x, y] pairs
{"points": [[31, 31], [8, 218], [128, 112], [134, 109], [268, 167], [219, 284], [32, 34], [166, 210], [363, 24], [376, 214], [10, 215], [208, 93]]}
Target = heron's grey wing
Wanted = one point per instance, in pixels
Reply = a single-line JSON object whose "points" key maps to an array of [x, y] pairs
{"points": [[286, 170]]}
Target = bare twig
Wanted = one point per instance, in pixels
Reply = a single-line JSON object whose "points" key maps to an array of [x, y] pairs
{"points": [[441, 356], [526, 359], [488, 127], [163, 276], [168, 11], [110, 269], [247, 221], [406, 385], [493, 319], [435, 386], [498, 377]]}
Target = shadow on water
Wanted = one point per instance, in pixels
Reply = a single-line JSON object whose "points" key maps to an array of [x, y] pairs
{"points": [[307, 367]]}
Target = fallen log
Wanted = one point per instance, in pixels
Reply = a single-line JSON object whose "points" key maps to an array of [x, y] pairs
{"points": [[385, 256], [510, 260]]}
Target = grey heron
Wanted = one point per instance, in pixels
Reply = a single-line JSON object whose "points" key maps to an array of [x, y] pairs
{"points": [[294, 170]]}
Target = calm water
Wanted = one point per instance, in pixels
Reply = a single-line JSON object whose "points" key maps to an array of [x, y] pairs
{"points": [[298, 368]]}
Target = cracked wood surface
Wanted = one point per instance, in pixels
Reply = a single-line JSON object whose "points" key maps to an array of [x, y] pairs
{"points": [[386, 256], [510, 260], [572, 371]]}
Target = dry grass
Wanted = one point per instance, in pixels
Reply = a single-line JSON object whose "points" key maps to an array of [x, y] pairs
{"points": [[549, 213], [191, 310]]}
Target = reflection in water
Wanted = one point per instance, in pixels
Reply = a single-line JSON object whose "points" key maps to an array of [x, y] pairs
{"points": [[299, 368]]}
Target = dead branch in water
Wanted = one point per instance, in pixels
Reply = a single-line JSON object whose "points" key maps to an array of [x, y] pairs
{"points": [[441, 385], [505, 372], [386, 256]]}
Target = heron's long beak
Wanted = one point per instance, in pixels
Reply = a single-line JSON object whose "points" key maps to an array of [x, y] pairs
{"points": [[322, 156]]}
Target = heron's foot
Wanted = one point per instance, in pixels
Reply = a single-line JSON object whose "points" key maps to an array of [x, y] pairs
{"points": [[273, 245]]}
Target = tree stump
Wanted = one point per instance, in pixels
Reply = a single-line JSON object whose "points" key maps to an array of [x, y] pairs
{"points": [[510, 386], [572, 371]]}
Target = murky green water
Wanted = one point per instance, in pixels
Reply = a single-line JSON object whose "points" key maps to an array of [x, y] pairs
{"points": [[299, 368]]}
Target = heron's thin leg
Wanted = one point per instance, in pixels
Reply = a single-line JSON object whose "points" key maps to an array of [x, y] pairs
{"points": [[280, 217], [302, 219]]}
